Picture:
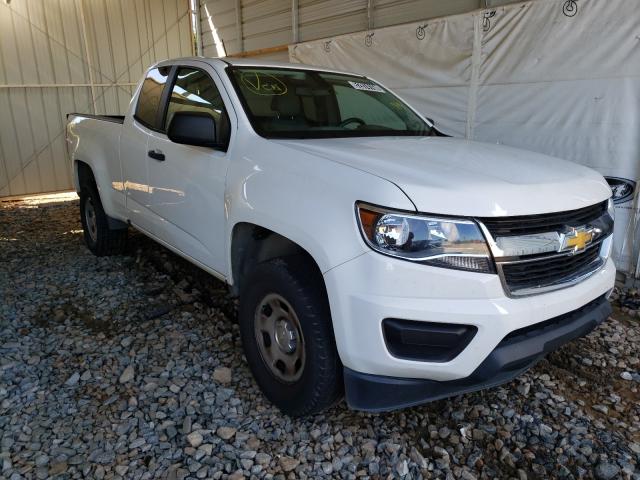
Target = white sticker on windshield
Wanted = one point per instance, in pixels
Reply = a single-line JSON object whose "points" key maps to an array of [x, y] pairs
{"points": [[367, 87]]}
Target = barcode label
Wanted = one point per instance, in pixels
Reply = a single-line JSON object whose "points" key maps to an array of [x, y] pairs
{"points": [[367, 87]]}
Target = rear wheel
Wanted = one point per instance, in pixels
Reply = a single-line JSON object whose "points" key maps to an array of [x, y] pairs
{"points": [[287, 336], [99, 237]]}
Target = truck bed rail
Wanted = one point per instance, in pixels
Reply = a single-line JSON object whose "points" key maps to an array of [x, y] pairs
{"points": [[106, 118]]}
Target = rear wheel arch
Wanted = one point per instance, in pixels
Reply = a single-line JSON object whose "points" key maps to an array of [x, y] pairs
{"points": [[83, 175], [86, 180], [99, 233]]}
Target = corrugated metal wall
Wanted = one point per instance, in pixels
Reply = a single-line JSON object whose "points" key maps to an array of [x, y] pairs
{"points": [[61, 56], [395, 12], [263, 24], [218, 26]]}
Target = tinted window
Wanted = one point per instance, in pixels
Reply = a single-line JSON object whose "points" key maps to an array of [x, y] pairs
{"points": [[195, 91], [150, 96], [291, 103]]}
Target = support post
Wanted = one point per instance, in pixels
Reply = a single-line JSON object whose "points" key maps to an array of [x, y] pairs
{"points": [[196, 28], [294, 21], [86, 51], [239, 33]]}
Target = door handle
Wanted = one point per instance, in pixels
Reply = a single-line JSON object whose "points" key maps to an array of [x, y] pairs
{"points": [[156, 155]]}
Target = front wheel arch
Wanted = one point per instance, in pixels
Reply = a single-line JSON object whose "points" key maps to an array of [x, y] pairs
{"points": [[253, 244]]}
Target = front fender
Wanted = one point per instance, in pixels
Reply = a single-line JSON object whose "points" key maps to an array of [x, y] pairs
{"points": [[306, 199]]}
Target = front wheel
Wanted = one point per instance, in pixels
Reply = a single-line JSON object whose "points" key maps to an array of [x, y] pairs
{"points": [[285, 324]]}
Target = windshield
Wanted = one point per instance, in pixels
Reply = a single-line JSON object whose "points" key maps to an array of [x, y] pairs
{"points": [[290, 103]]}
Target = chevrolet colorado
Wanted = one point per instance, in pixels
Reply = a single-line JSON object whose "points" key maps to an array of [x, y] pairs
{"points": [[372, 255]]}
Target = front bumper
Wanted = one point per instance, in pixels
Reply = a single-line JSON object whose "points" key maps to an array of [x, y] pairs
{"points": [[372, 287], [519, 351]]}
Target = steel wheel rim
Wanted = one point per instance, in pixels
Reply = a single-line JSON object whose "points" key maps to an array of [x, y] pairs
{"points": [[279, 337], [91, 220]]}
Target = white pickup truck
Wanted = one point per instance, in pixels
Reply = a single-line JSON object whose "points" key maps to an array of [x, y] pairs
{"points": [[373, 256]]}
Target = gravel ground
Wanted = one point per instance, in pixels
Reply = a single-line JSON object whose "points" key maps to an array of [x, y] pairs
{"points": [[131, 367]]}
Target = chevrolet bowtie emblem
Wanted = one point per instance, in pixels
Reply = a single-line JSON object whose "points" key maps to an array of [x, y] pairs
{"points": [[577, 240]]}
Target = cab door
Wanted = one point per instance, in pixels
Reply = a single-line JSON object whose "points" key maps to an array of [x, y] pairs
{"points": [[138, 126], [187, 183]]}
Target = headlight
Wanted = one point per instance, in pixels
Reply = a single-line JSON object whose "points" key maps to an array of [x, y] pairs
{"points": [[440, 242], [611, 209]]}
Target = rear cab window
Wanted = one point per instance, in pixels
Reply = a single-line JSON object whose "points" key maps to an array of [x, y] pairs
{"points": [[150, 98]]}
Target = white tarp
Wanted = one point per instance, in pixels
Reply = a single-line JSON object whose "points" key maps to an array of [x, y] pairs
{"points": [[554, 76]]}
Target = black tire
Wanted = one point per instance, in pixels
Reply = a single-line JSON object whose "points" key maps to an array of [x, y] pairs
{"points": [[100, 239], [320, 384]]}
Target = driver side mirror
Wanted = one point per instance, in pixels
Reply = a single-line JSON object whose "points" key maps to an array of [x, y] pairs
{"points": [[194, 128]]}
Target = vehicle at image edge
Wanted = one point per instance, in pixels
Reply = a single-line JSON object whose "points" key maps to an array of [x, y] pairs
{"points": [[373, 256]]}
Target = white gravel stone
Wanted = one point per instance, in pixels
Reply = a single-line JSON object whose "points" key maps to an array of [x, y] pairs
{"points": [[226, 433], [73, 379], [195, 439], [288, 464], [222, 375], [206, 449], [121, 470], [263, 458], [127, 375]]}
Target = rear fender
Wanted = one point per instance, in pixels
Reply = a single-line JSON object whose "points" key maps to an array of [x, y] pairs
{"points": [[96, 144]]}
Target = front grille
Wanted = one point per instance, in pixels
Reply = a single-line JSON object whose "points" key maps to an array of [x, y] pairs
{"points": [[526, 269], [551, 270], [548, 222]]}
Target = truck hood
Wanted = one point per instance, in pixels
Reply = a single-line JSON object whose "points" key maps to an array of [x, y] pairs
{"points": [[458, 177]]}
